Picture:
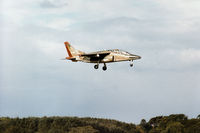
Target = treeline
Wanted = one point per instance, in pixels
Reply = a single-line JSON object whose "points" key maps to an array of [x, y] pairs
{"points": [[63, 125], [175, 123], [178, 123]]}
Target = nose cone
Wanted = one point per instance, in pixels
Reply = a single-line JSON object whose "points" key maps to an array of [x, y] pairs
{"points": [[139, 57], [135, 57]]}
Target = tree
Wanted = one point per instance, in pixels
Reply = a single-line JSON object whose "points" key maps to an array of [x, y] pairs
{"points": [[198, 117], [194, 128], [175, 127], [145, 126], [85, 129], [143, 122]]}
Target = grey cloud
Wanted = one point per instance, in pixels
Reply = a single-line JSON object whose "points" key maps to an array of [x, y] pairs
{"points": [[146, 32], [53, 3]]}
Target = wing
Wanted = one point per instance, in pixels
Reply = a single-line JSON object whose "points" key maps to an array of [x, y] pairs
{"points": [[101, 54]]}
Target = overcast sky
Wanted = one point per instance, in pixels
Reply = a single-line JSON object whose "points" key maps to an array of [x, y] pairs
{"points": [[35, 82]]}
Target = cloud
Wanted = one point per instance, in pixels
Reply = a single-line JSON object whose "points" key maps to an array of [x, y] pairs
{"points": [[190, 56], [181, 9], [179, 60], [57, 23], [53, 3]]}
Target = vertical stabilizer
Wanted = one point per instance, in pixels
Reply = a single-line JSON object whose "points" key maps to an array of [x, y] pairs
{"points": [[72, 52]]}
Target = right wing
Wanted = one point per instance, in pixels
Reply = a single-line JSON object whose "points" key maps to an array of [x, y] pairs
{"points": [[101, 54]]}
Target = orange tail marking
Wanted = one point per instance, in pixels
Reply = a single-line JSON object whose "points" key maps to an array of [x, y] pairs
{"points": [[67, 45]]}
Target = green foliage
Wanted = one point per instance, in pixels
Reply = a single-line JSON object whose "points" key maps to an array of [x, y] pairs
{"points": [[63, 125], [175, 127], [176, 123], [194, 128], [155, 130], [85, 129]]}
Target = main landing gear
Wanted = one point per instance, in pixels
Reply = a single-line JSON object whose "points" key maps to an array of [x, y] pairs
{"points": [[97, 66], [104, 67]]}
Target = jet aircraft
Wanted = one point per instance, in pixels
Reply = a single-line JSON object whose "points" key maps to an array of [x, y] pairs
{"points": [[106, 56]]}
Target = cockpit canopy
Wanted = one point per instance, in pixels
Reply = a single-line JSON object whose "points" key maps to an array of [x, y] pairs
{"points": [[120, 51]]}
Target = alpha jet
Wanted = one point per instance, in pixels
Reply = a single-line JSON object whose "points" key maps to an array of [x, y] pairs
{"points": [[106, 56]]}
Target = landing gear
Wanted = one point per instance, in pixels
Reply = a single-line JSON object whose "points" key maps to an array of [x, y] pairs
{"points": [[131, 65], [96, 66], [104, 67]]}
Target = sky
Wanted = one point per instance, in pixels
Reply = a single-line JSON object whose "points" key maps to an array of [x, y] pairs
{"points": [[34, 81]]}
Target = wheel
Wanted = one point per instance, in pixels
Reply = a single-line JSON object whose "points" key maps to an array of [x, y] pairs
{"points": [[96, 66], [131, 65], [104, 68]]}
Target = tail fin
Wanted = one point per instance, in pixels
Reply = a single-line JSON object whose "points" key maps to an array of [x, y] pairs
{"points": [[71, 50]]}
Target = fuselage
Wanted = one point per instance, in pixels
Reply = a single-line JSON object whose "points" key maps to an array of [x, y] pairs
{"points": [[115, 55]]}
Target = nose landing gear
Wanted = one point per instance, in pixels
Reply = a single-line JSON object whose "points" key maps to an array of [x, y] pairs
{"points": [[131, 65]]}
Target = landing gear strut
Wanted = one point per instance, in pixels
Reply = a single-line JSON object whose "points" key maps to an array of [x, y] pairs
{"points": [[104, 67], [131, 65]]}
